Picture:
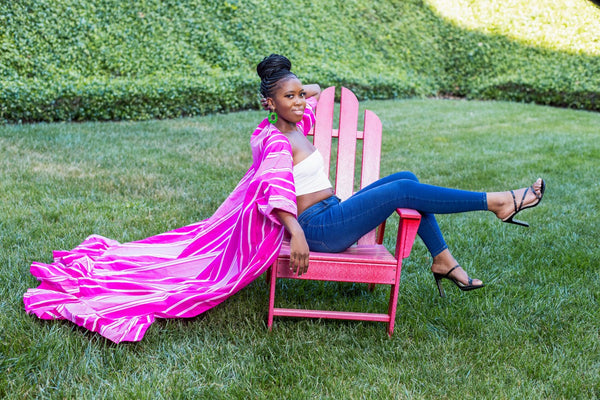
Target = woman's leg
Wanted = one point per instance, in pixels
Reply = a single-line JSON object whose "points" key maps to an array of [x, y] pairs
{"points": [[429, 230], [341, 225]]}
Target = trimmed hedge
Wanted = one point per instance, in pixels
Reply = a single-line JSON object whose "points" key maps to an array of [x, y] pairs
{"points": [[74, 60], [125, 99], [493, 67]]}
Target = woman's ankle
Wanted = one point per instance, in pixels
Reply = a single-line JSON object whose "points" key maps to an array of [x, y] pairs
{"points": [[503, 204], [443, 262]]}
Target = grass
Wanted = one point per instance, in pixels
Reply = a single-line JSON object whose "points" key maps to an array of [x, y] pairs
{"points": [[531, 333]]}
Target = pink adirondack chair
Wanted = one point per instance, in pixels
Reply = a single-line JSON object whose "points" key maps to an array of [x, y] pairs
{"points": [[368, 261]]}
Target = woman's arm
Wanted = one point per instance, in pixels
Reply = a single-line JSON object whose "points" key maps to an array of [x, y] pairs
{"points": [[312, 90], [298, 247]]}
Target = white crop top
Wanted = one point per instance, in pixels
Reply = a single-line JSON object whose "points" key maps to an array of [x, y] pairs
{"points": [[309, 174]]}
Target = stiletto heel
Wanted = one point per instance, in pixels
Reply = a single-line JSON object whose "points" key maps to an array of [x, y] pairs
{"points": [[438, 279], [510, 219], [461, 286]]}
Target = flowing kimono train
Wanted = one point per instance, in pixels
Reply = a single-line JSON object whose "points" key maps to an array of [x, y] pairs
{"points": [[118, 289]]}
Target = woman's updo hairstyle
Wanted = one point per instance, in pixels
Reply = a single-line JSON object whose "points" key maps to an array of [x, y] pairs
{"points": [[271, 70]]}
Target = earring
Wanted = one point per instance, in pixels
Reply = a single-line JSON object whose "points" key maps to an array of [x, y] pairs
{"points": [[272, 118]]}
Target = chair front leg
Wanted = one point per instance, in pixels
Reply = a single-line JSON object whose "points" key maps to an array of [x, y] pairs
{"points": [[272, 283]]}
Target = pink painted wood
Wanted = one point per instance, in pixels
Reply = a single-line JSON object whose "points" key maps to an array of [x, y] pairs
{"points": [[368, 261]]}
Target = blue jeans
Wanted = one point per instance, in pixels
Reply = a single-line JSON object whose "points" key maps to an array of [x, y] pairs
{"points": [[333, 225]]}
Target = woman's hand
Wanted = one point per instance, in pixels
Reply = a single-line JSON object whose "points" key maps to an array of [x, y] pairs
{"points": [[298, 246], [264, 103], [299, 254]]}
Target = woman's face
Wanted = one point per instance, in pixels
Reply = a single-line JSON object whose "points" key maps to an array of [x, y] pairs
{"points": [[289, 100]]}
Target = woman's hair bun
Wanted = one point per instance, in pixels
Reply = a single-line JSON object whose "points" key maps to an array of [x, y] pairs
{"points": [[272, 65], [271, 70]]}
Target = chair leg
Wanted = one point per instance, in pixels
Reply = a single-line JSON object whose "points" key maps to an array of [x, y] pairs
{"points": [[272, 276], [392, 307]]}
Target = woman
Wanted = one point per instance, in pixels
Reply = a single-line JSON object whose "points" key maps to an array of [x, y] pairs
{"points": [[119, 289], [326, 224]]}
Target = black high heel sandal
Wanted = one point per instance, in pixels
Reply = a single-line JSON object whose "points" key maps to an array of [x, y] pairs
{"points": [[461, 286], [510, 219]]}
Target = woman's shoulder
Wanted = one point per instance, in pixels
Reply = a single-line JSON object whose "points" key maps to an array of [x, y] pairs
{"points": [[266, 134]]}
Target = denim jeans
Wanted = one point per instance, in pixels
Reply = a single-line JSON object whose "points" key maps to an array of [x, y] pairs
{"points": [[333, 225]]}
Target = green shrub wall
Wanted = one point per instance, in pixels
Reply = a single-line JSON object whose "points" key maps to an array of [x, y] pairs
{"points": [[73, 60]]}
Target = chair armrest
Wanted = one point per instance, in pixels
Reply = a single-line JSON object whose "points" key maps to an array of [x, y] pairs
{"points": [[407, 231], [405, 213], [408, 213]]}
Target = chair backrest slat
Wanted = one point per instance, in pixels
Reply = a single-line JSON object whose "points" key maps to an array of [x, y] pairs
{"points": [[324, 125], [347, 135], [371, 159], [346, 155], [371, 154]]}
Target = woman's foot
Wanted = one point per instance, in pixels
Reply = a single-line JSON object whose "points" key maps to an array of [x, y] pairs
{"points": [[464, 287], [443, 264], [456, 273], [507, 204]]}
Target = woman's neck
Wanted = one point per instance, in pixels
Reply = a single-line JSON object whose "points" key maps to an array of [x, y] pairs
{"points": [[286, 127]]}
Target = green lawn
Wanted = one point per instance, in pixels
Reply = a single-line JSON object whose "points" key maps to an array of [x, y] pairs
{"points": [[532, 332]]}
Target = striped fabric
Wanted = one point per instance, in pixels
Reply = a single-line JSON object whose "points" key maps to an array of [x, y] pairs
{"points": [[118, 289]]}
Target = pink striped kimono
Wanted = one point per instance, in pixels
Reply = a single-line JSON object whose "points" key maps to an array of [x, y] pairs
{"points": [[118, 289]]}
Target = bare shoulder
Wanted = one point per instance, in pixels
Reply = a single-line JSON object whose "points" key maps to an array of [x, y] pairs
{"points": [[301, 146]]}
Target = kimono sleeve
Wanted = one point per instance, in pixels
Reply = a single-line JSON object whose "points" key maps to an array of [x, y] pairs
{"points": [[308, 120], [274, 177]]}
